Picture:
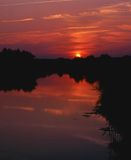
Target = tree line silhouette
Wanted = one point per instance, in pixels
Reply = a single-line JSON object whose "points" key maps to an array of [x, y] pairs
{"points": [[20, 70]]}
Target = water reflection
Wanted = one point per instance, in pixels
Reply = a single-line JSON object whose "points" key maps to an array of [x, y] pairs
{"points": [[47, 123], [47, 118]]}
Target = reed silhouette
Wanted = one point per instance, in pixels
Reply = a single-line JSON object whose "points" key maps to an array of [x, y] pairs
{"points": [[115, 106], [20, 70]]}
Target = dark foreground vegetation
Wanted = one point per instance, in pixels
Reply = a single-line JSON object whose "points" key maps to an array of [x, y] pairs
{"points": [[20, 70]]}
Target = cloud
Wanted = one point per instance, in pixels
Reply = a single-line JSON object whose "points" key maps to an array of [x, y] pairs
{"points": [[32, 3], [124, 7], [116, 8], [90, 32], [89, 13], [57, 16], [125, 27], [82, 27], [17, 20], [34, 37]]}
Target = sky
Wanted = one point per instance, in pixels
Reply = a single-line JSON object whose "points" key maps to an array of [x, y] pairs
{"points": [[64, 28]]}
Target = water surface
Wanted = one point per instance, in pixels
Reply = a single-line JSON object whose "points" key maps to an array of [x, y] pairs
{"points": [[48, 123]]}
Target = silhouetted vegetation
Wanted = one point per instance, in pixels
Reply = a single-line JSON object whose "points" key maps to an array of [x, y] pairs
{"points": [[20, 67], [20, 70], [16, 70], [115, 103]]}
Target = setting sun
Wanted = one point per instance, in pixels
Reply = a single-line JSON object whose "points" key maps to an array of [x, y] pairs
{"points": [[78, 55]]}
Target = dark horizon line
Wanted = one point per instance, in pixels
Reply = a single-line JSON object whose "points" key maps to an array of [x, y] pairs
{"points": [[67, 58]]}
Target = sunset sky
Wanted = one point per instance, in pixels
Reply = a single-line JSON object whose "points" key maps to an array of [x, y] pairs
{"points": [[64, 28]]}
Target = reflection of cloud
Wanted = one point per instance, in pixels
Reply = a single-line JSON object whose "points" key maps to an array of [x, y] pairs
{"points": [[17, 20], [32, 3], [92, 139], [64, 111], [81, 100], [54, 98], [57, 112], [23, 108]]}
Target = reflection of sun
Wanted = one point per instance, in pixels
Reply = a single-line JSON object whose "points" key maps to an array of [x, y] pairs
{"points": [[78, 54]]}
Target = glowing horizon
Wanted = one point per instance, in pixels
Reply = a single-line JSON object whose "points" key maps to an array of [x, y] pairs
{"points": [[59, 28]]}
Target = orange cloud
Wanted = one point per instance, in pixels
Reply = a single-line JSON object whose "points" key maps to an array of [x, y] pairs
{"points": [[58, 16], [33, 37], [125, 27], [109, 9], [33, 3], [85, 30], [89, 13], [17, 20], [116, 8], [82, 27]]}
